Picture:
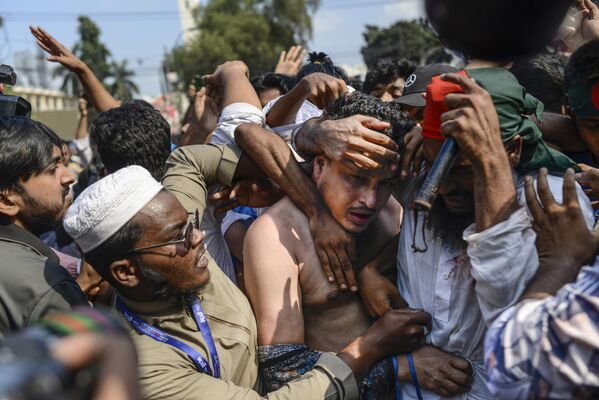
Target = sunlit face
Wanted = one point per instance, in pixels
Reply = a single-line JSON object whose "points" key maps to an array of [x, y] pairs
{"points": [[390, 91], [163, 220], [46, 196], [588, 128], [353, 195]]}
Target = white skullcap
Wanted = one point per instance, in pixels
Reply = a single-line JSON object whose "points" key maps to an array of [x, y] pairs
{"points": [[104, 207]]}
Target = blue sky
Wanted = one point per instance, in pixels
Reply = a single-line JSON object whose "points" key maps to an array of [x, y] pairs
{"points": [[338, 27]]}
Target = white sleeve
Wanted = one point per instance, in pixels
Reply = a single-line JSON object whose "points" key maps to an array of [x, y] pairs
{"points": [[231, 117], [504, 259]]}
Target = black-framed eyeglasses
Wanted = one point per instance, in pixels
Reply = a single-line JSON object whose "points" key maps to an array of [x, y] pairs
{"points": [[182, 245]]}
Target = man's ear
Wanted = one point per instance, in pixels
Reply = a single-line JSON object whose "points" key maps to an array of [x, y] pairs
{"points": [[125, 273], [514, 150], [319, 163], [9, 203]]}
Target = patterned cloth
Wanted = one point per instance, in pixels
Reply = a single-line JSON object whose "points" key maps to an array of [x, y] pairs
{"points": [[282, 363], [548, 349]]}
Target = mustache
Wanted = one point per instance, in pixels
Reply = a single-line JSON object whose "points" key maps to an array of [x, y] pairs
{"points": [[362, 209]]}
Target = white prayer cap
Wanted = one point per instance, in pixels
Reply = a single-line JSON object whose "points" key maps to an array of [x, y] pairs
{"points": [[104, 207]]}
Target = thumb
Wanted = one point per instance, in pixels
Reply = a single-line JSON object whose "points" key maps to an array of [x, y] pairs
{"points": [[394, 298]]}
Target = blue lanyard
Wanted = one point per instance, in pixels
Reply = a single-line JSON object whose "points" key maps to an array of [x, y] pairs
{"points": [[198, 313]]}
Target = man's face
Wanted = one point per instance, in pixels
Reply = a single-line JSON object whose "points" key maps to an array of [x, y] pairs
{"points": [[390, 91], [457, 190], [588, 128], [170, 272], [353, 195], [46, 196], [268, 94]]}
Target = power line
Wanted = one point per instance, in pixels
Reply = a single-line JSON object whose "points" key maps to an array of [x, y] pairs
{"points": [[158, 14]]}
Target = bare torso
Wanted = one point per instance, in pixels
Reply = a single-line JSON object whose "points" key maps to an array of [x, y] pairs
{"points": [[332, 318]]}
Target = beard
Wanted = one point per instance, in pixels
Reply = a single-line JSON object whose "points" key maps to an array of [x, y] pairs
{"points": [[162, 289], [447, 227], [41, 217]]}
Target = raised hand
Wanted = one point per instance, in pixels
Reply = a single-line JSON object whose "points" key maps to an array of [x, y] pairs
{"points": [[472, 121], [224, 71], [437, 371], [356, 139], [58, 53], [82, 106], [378, 293], [563, 238], [336, 250], [322, 89], [589, 180], [290, 61]]}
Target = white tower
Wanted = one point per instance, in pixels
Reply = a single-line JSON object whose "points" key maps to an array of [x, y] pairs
{"points": [[186, 10]]}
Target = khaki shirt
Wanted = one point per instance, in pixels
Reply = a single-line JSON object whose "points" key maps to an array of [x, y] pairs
{"points": [[168, 373]]}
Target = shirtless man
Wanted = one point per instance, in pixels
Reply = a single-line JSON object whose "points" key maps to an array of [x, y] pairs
{"points": [[294, 302]]}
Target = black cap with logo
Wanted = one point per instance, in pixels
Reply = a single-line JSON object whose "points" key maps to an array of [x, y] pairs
{"points": [[417, 82]]}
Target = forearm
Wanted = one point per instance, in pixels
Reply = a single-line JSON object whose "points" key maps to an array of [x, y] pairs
{"points": [[238, 89], [283, 112], [552, 275], [305, 142], [494, 191], [360, 356], [274, 157], [81, 131], [99, 96], [195, 135]]}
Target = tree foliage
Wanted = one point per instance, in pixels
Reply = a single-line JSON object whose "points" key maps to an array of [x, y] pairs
{"points": [[90, 49], [122, 86], [255, 31], [412, 40]]}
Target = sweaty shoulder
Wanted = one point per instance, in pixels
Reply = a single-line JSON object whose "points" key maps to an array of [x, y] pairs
{"points": [[285, 221]]}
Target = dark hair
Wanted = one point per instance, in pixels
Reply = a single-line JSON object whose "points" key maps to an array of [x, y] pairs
{"points": [[387, 70], [114, 248], [542, 76], [271, 80], [583, 65], [321, 62], [26, 148], [365, 104], [132, 134]]}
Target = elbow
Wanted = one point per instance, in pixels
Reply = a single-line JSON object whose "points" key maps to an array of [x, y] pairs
{"points": [[242, 132]]}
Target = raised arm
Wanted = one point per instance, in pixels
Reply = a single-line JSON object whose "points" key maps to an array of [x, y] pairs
{"points": [[231, 81], [99, 96], [81, 132], [472, 121], [564, 242], [320, 89]]}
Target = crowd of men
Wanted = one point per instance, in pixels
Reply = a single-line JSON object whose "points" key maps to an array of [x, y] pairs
{"points": [[273, 249]]}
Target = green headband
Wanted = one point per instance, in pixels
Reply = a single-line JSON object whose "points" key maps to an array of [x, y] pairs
{"points": [[512, 104], [584, 99]]}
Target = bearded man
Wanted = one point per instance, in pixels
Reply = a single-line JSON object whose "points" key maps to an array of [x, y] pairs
{"points": [[34, 195], [474, 253]]}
